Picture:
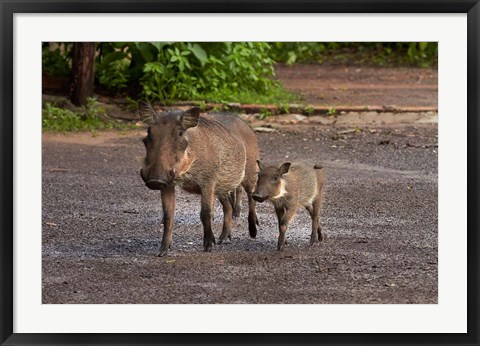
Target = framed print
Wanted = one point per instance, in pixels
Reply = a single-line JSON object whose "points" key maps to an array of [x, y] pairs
{"points": [[260, 172]]}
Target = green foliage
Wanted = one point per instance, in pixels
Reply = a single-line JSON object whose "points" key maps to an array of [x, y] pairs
{"points": [[308, 110], [421, 54], [113, 73], [222, 71], [56, 62], [56, 119], [168, 71], [212, 71], [202, 105], [284, 108], [291, 52], [264, 113], [331, 111], [132, 105], [277, 94]]}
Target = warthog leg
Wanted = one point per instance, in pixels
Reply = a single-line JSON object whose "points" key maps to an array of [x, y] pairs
{"points": [[252, 215], [237, 200], [227, 218], [320, 198], [168, 206], [284, 216], [207, 199], [314, 211]]}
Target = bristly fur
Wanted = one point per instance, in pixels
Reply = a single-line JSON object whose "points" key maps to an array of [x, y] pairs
{"points": [[207, 122], [283, 190], [146, 113]]}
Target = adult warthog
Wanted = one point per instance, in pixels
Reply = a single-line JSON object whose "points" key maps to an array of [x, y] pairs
{"points": [[209, 155]]}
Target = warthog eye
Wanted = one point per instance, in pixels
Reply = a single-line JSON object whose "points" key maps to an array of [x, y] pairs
{"points": [[275, 178], [180, 133]]}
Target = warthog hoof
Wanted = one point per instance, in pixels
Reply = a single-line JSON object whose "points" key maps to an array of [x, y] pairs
{"points": [[317, 238], [164, 249], [236, 213], [252, 226], [281, 245], [224, 236], [321, 237], [208, 243]]}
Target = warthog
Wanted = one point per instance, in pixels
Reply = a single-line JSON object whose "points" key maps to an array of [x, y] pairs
{"points": [[209, 155], [290, 187]]}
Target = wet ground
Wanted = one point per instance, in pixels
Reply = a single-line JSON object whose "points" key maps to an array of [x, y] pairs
{"points": [[101, 225]]}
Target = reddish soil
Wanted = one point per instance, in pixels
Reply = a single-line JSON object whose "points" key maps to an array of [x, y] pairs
{"points": [[333, 85]]}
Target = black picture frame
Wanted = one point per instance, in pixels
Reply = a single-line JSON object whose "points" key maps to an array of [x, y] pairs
{"points": [[9, 8]]}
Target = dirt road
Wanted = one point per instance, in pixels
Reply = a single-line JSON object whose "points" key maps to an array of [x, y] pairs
{"points": [[334, 85], [101, 225]]}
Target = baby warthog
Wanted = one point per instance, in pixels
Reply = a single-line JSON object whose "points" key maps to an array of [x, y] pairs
{"points": [[209, 155], [290, 187]]}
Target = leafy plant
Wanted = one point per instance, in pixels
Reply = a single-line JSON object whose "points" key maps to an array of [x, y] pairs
{"points": [[216, 73], [284, 108], [422, 52], [56, 60], [132, 105], [202, 105], [167, 71], [308, 110], [112, 71], [377, 53], [264, 113], [331, 111], [90, 118]]}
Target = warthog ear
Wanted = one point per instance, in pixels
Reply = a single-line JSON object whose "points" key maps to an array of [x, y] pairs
{"points": [[284, 168], [260, 165], [189, 118]]}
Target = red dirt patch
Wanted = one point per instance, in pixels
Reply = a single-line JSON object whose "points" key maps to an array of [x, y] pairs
{"points": [[361, 86]]}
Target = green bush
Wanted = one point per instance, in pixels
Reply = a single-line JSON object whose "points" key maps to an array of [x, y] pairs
{"points": [[421, 54], [211, 71], [112, 71], [222, 71], [56, 62], [55, 119]]}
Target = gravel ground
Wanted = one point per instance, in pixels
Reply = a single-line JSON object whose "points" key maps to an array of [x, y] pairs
{"points": [[101, 225]]}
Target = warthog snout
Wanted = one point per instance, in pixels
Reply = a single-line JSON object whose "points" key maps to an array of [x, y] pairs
{"points": [[156, 184], [259, 198]]}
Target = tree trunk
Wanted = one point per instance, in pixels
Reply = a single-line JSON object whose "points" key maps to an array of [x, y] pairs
{"points": [[82, 65]]}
